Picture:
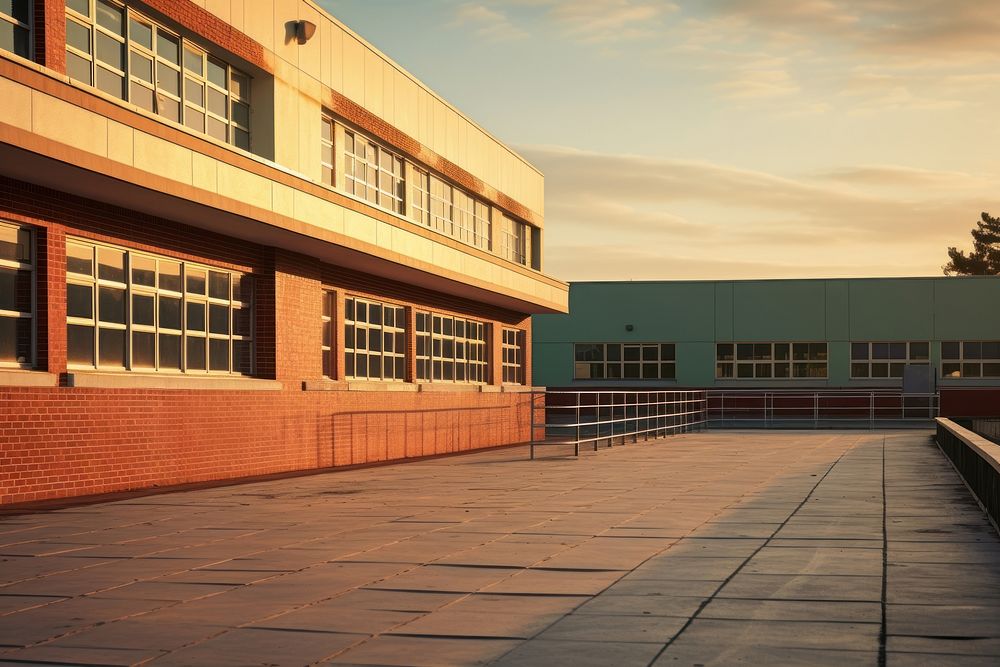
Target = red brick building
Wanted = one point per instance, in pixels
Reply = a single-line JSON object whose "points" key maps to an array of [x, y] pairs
{"points": [[239, 240]]}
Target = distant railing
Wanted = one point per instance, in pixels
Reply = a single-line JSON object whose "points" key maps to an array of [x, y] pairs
{"points": [[758, 408], [595, 418]]}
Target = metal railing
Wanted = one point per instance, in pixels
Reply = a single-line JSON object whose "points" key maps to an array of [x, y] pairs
{"points": [[597, 417], [977, 460], [759, 408]]}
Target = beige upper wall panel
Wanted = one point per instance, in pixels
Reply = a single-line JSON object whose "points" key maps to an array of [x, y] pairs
{"points": [[340, 60]]}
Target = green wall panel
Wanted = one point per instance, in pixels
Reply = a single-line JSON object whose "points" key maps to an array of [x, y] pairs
{"points": [[967, 308], [892, 309], [777, 310]]}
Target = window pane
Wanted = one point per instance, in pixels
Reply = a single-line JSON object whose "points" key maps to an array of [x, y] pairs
{"points": [[724, 352], [218, 354], [218, 285], [170, 352], [109, 16], [170, 313], [110, 83], [170, 276], [79, 259], [217, 72], [194, 91], [589, 352], [782, 370], [167, 79], [859, 351], [217, 102], [80, 345], [241, 321], [143, 270], [744, 370], [666, 352], [78, 36], [897, 350], [15, 340], [79, 6], [880, 370], [143, 350], [991, 350], [781, 351], [951, 370], [971, 370], [110, 51], [991, 370], [241, 139], [111, 265], [194, 61], [15, 290], [78, 68], [195, 316], [79, 301], [667, 371], [141, 33], [950, 350], [240, 85], [167, 46], [218, 319], [194, 119], [920, 351], [15, 244], [111, 344], [972, 350], [195, 281], [195, 353], [744, 351], [111, 305], [896, 370], [242, 288], [143, 309], [859, 370]]}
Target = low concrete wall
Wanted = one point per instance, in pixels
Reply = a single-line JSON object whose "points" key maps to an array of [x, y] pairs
{"points": [[977, 461]]}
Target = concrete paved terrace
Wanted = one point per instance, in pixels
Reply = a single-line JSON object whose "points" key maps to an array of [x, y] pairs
{"points": [[715, 548]]}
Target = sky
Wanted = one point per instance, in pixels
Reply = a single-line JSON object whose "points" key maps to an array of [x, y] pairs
{"points": [[726, 139]]}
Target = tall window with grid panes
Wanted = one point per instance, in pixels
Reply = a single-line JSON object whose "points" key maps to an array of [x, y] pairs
{"points": [[374, 340], [128, 310], [17, 296], [450, 349], [15, 27], [512, 349]]}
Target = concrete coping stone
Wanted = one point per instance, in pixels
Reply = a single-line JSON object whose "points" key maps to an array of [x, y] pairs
{"points": [[27, 378], [380, 386], [184, 382], [989, 451], [325, 385]]}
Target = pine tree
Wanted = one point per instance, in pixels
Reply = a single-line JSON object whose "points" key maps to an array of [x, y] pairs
{"points": [[984, 260]]}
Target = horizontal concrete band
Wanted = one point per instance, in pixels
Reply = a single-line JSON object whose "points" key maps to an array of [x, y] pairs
{"points": [[987, 450]]}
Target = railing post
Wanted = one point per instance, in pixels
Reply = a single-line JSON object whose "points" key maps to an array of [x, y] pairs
{"points": [[816, 409], [532, 443]]}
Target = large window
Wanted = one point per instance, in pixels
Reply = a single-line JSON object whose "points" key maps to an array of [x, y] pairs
{"points": [[625, 361], [328, 349], [450, 349], [513, 240], [374, 340], [119, 51], [970, 359], [512, 348], [128, 310], [17, 296], [15, 27], [770, 360], [373, 173], [886, 359], [326, 151], [451, 211]]}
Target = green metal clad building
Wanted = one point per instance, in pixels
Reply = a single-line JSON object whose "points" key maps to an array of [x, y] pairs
{"points": [[856, 333]]}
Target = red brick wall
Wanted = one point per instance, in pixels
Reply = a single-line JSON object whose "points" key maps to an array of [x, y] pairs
{"points": [[67, 441]]}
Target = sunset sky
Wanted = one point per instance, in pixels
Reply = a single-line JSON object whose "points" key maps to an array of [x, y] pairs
{"points": [[726, 138]]}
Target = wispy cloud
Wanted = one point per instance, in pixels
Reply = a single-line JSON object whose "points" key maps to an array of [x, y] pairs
{"points": [[489, 24], [631, 210]]}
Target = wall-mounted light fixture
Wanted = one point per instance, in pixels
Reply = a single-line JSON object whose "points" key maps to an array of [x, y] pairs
{"points": [[629, 327], [304, 30]]}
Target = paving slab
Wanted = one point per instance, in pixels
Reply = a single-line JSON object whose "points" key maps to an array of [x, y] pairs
{"points": [[711, 548]]}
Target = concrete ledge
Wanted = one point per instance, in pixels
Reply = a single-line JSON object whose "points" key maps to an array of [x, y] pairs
{"points": [[24, 378], [381, 386], [987, 450], [324, 385], [490, 388], [448, 387], [181, 382], [520, 389]]}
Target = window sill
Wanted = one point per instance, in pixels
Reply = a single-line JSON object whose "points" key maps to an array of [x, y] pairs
{"points": [[520, 389], [133, 381], [13, 377], [362, 385], [325, 385]]}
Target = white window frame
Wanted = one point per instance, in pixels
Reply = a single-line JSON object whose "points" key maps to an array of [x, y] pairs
{"points": [[372, 163], [468, 361], [29, 266], [514, 240], [328, 322], [185, 297], [512, 346], [397, 330], [237, 133]]}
